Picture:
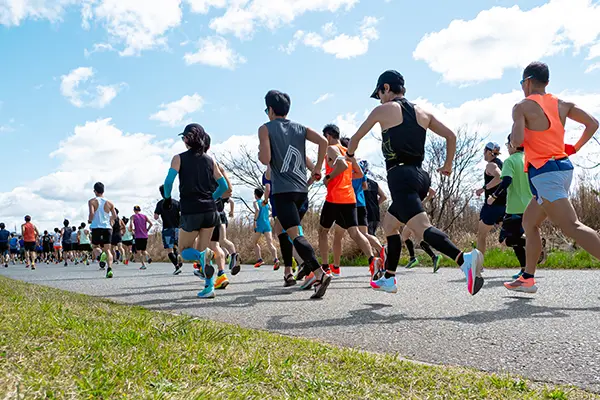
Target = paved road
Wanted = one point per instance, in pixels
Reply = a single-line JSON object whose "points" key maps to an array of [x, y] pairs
{"points": [[551, 336]]}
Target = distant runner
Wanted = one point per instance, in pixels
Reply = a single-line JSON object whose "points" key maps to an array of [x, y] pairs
{"points": [[170, 229], [139, 224], [30, 233], [101, 212]]}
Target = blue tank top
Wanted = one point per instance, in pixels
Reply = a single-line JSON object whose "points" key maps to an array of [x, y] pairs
{"points": [[359, 192], [263, 213], [4, 235]]}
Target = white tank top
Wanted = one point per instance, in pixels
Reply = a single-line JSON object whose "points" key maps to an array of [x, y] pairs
{"points": [[101, 217], [83, 238]]}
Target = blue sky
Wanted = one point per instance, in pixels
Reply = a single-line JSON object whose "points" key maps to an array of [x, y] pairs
{"points": [[455, 56]]}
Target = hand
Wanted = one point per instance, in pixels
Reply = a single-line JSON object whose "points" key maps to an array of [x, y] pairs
{"points": [[446, 170], [491, 200], [479, 192], [570, 149], [168, 204], [231, 214], [265, 202], [316, 175]]}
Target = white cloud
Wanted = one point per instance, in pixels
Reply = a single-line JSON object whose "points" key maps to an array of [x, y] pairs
{"points": [[174, 113], [342, 46], [322, 98], [70, 87], [242, 16], [215, 51], [64, 193], [592, 68], [97, 48], [203, 6], [12, 12], [329, 29], [501, 38]]}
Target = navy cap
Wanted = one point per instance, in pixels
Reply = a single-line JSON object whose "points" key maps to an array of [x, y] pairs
{"points": [[390, 77], [189, 128]]}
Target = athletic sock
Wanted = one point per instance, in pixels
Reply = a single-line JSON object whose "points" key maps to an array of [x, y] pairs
{"points": [[427, 249], [440, 241], [307, 253], [287, 249], [173, 258], [388, 275], [411, 248], [527, 276], [394, 250], [220, 273]]}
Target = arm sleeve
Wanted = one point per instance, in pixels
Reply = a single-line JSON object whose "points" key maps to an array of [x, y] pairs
{"points": [[506, 181], [169, 182], [222, 188]]}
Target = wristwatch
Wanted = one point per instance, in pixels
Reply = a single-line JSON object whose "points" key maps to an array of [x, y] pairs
{"points": [[327, 176], [350, 155]]}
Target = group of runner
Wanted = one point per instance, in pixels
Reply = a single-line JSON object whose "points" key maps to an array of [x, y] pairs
{"points": [[529, 187]]}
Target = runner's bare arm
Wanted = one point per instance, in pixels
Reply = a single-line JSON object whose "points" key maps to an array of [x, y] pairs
{"points": [[232, 207], [364, 129], [149, 223], [340, 164], [268, 185], [311, 166], [590, 123], [357, 171], [319, 140], [493, 170], [517, 135], [442, 130], [92, 210], [264, 145], [113, 211]]}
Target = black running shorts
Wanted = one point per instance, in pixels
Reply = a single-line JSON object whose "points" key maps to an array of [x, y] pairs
{"points": [[288, 207], [127, 242], [223, 218], [373, 226], [101, 236], [344, 215], [216, 235], [361, 213], [4, 247], [492, 215], [141, 244], [29, 246], [195, 222], [512, 227], [409, 186]]}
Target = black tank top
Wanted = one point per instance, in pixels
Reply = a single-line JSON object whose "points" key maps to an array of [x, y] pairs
{"points": [[404, 143], [501, 200], [196, 183], [116, 228]]}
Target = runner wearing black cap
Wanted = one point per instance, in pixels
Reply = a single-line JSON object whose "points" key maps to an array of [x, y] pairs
{"points": [[404, 128], [490, 215], [283, 147]]}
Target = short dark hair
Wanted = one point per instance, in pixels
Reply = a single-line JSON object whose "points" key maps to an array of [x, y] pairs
{"points": [[125, 220], [258, 192], [538, 71], [99, 187], [45, 232], [2, 226], [56, 230], [74, 228], [332, 130], [345, 141], [137, 208], [278, 101], [82, 225], [27, 218], [66, 223]]}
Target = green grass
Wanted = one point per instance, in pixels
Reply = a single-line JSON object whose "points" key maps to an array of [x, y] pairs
{"points": [[57, 345]]}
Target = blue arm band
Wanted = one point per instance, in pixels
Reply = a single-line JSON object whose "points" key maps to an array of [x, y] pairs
{"points": [[169, 182], [223, 186], [506, 181]]}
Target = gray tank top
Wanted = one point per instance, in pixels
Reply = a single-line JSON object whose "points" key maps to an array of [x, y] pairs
{"points": [[288, 156]]}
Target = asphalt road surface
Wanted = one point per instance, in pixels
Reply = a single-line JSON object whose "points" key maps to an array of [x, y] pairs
{"points": [[553, 336]]}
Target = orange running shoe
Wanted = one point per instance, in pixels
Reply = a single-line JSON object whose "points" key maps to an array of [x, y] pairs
{"points": [[335, 271], [259, 263], [522, 285]]}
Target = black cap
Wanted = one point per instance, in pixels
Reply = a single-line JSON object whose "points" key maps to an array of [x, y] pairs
{"points": [[189, 128], [390, 77]]}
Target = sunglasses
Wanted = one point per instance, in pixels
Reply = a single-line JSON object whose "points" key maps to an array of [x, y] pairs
{"points": [[267, 110], [526, 79]]}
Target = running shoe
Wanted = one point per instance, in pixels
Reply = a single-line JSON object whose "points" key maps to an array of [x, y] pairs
{"points": [[196, 265], [109, 273], [199, 274], [517, 276], [412, 263], [177, 270], [102, 265], [294, 265], [309, 281], [385, 284], [321, 286], [208, 270], [5, 265], [143, 267], [259, 263], [103, 257], [376, 267], [32, 267], [232, 261], [335, 271], [289, 281], [207, 293], [66, 265], [436, 263], [544, 254], [221, 282], [472, 266], [276, 264], [522, 285], [303, 272]]}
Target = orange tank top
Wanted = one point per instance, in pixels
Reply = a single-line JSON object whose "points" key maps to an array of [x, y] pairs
{"points": [[541, 146], [339, 189], [29, 233]]}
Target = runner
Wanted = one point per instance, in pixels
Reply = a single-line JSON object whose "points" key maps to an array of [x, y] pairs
{"points": [[14, 248], [198, 177], [262, 226], [490, 215], [118, 230], [127, 242], [407, 233], [29, 232], [75, 253], [374, 198], [57, 245], [283, 147], [46, 247], [102, 212], [139, 225], [4, 245], [340, 204], [21, 248], [538, 127], [404, 129], [85, 245], [170, 228], [66, 241]]}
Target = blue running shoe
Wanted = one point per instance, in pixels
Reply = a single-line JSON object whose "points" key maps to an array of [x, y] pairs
{"points": [[387, 285], [472, 269], [207, 293], [517, 276]]}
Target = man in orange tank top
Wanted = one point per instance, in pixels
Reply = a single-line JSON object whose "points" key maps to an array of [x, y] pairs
{"points": [[30, 233], [340, 202], [539, 126]]}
